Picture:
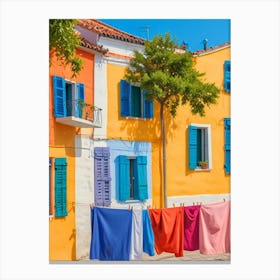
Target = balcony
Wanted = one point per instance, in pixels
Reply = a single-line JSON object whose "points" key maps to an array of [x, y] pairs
{"points": [[81, 114]]}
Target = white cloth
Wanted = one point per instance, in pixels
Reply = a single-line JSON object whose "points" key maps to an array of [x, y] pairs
{"points": [[136, 250]]}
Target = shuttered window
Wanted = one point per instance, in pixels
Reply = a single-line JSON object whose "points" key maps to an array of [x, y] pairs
{"points": [[133, 102], [102, 179], [60, 187], [227, 145], [68, 98], [199, 146], [132, 175], [227, 76]]}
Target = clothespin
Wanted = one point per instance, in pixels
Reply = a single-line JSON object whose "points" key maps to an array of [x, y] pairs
{"points": [[224, 199], [200, 203], [173, 204], [91, 205], [183, 203], [128, 207], [193, 203]]}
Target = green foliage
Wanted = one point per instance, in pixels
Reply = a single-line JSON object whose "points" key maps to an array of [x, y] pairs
{"points": [[169, 76], [63, 40]]}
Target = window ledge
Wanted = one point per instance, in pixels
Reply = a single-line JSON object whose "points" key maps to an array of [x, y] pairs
{"points": [[136, 118], [203, 169]]}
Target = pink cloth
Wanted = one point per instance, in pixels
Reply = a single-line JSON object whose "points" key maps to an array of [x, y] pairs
{"points": [[191, 227], [214, 228]]}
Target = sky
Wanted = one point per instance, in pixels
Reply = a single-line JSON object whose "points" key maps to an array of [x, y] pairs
{"points": [[190, 31]]}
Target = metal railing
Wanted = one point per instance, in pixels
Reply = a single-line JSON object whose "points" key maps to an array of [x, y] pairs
{"points": [[85, 111]]}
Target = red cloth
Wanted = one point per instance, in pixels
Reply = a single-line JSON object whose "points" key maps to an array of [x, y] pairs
{"points": [[191, 227], [168, 227]]}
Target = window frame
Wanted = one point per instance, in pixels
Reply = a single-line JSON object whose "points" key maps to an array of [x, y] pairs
{"points": [[209, 145]]}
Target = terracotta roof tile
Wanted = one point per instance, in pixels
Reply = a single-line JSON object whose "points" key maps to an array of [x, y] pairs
{"points": [[198, 52], [109, 31], [87, 44]]}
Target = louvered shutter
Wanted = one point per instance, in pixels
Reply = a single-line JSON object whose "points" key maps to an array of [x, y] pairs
{"points": [[125, 98], [124, 190], [80, 98], [227, 145], [102, 179], [192, 147], [148, 107], [60, 187], [227, 76], [59, 89], [141, 180]]}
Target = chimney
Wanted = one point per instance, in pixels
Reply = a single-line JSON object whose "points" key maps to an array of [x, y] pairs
{"points": [[205, 41]]}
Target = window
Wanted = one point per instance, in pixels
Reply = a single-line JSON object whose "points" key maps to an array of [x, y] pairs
{"points": [[132, 178], [60, 187], [227, 145], [200, 147], [133, 102], [227, 76], [102, 180], [68, 97]]}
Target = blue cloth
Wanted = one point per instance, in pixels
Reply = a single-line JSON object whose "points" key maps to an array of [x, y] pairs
{"points": [[148, 234], [111, 234]]}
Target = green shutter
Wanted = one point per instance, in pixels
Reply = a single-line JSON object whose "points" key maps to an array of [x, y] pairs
{"points": [[60, 187], [135, 101], [141, 180]]}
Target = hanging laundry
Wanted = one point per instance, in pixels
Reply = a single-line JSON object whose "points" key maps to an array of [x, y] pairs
{"points": [[191, 227], [136, 250], [148, 234], [214, 228], [168, 227], [111, 234]]}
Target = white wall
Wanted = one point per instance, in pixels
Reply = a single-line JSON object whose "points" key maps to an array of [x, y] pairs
{"points": [[84, 192], [190, 199]]}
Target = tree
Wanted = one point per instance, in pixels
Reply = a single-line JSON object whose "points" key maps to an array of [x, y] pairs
{"points": [[171, 80], [63, 41]]}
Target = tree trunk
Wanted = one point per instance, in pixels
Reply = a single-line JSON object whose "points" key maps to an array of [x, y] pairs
{"points": [[163, 137]]}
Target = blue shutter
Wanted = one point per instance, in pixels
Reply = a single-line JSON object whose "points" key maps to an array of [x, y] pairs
{"points": [[59, 89], [148, 107], [227, 145], [124, 190], [102, 179], [125, 96], [60, 187], [192, 147], [80, 97], [227, 76], [141, 180]]}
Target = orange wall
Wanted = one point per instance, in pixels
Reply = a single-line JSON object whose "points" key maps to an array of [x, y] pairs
{"points": [[62, 237]]}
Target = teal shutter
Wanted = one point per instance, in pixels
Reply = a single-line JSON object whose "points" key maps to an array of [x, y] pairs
{"points": [[227, 145], [148, 106], [141, 180], [124, 189], [80, 98], [227, 76], [192, 147], [125, 98], [59, 89], [60, 187], [135, 101]]}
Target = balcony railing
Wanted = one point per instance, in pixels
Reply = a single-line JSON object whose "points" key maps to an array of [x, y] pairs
{"points": [[81, 114]]}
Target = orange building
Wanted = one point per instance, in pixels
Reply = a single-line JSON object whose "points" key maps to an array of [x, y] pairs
{"points": [[71, 110]]}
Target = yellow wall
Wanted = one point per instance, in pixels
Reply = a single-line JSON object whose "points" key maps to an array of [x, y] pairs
{"points": [[181, 181]]}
